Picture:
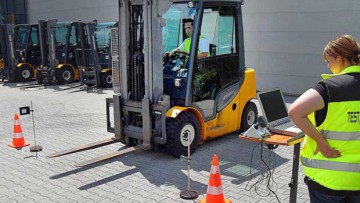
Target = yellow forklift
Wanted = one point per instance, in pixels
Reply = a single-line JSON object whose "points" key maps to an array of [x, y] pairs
{"points": [[22, 51], [59, 40], [177, 100]]}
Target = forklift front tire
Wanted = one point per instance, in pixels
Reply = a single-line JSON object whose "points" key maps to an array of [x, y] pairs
{"points": [[181, 130], [65, 75], [25, 73], [106, 79]]}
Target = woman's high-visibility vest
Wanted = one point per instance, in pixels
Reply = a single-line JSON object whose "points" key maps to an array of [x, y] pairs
{"points": [[341, 128]]}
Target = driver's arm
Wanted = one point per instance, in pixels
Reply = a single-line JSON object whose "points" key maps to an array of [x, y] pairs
{"points": [[174, 50], [203, 48], [202, 55], [180, 48]]}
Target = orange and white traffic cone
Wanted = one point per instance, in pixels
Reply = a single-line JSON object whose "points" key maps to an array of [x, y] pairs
{"points": [[214, 192], [18, 138]]}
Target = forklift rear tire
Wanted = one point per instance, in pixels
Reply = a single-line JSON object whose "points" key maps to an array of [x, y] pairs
{"points": [[25, 73], [178, 130], [249, 116], [65, 75], [106, 79]]}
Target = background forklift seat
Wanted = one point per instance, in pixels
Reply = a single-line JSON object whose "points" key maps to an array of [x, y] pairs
{"points": [[212, 49]]}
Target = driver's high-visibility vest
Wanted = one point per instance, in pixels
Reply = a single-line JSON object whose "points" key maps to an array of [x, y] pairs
{"points": [[187, 44], [341, 128]]}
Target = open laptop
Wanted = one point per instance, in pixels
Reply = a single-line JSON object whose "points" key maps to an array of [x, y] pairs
{"points": [[275, 111]]}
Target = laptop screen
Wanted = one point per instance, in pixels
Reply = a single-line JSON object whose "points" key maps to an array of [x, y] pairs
{"points": [[273, 105]]}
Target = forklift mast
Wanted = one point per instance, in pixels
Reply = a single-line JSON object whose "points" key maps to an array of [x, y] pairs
{"points": [[95, 68], [10, 59], [140, 48], [3, 52], [138, 84], [47, 58]]}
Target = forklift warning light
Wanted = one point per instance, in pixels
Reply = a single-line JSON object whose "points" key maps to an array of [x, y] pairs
{"points": [[24, 110]]}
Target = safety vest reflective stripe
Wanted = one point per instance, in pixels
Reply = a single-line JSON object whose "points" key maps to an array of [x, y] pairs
{"points": [[17, 135], [331, 165], [214, 190], [346, 136], [215, 170]]}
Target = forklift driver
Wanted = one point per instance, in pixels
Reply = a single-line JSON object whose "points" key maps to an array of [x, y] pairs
{"points": [[185, 46]]}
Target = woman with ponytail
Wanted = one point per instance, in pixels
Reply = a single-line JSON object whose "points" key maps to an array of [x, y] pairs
{"points": [[329, 115]]}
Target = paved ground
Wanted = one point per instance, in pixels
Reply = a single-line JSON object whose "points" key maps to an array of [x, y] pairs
{"points": [[67, 118]]}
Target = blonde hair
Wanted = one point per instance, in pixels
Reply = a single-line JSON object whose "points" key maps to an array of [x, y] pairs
{"points": [[344, 46]]}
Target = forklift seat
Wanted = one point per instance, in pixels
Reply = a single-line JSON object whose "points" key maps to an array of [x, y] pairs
{"points": [[212, 49], [207, 107]]}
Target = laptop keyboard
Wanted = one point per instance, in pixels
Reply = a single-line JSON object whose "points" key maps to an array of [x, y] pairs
{"points": [[285, 125]]}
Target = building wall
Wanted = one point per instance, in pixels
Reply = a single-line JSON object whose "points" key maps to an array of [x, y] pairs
{"points": [[73, 10], [284, 39]]}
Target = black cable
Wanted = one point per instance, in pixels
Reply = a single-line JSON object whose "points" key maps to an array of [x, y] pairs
{"points": [[270, 175], [273, 169], [251, 160], [257, 185], [265, 174]]}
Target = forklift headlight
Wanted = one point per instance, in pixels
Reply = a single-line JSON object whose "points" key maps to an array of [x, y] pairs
{"points": [[178, 82]]}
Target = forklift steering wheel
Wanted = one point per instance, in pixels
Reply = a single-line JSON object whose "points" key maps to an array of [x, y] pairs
{"points": [[179, 53]]}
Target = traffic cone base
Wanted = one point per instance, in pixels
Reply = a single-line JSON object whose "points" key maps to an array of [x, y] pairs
{"points": [[13, 146], [225, 201]]}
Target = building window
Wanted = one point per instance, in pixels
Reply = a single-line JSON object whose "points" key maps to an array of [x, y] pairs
{"points": [[13, 12]]}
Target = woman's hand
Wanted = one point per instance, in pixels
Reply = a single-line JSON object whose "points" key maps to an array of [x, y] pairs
{"points": [[299, 110], [326, 150]]}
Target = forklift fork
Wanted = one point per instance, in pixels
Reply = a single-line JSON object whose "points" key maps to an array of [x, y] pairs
{"points": [[101, 143], [85, 147], [117, 138]]}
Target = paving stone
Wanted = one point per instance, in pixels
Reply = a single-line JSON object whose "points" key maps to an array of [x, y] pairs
{"points": [[37, 197]]}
